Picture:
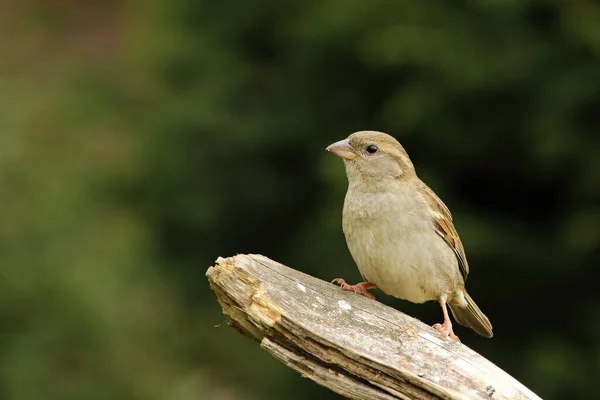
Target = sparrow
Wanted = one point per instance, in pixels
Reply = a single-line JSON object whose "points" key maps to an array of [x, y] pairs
{"points": [[400, 234]]}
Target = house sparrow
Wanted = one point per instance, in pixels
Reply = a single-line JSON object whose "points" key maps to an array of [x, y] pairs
{"points": [[400, 234]]}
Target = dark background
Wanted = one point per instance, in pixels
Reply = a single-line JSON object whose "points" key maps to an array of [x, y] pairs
{"points": [[141, 140]]}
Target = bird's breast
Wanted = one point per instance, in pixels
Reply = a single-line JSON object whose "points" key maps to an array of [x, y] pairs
{"points": [[392, 241]]}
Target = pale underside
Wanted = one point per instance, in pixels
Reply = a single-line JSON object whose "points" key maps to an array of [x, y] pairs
{"points": [[395, 245]]}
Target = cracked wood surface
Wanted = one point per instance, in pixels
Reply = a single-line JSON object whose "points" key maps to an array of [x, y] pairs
{"points": [[357, 347]]}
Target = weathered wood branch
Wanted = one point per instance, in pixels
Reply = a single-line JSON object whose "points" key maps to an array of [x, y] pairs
{"points": [[357, 347]]}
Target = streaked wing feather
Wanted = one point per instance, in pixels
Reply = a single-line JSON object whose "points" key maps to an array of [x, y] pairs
{"points": [[442, 223]]}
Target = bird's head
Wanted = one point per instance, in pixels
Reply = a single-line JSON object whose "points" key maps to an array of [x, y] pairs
{"points": [[373, 156]]}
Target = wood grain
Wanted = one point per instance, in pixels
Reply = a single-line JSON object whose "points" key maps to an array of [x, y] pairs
{"points": [[357, 347]]}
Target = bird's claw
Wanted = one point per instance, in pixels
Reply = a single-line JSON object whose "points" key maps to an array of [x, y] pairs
{"points": [[359, 288], [446, 331]]}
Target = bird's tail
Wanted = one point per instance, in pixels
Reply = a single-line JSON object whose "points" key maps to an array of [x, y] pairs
{"points": [[470, 315]]}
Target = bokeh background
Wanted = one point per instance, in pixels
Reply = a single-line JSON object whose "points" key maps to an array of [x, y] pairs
{"points": [[140, 140]]}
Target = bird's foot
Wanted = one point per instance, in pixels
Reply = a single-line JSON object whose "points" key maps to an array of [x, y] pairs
{"points": [[446, 331], [360, 288]]}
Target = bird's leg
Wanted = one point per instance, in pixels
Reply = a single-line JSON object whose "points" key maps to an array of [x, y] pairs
{"points": [[445, 328], [360, 288]]}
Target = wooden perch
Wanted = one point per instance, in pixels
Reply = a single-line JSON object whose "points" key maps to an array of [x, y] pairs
{"points": [[357, 347]]}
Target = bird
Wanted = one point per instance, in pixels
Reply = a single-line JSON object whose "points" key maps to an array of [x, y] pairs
{"points": [[400, 234]]}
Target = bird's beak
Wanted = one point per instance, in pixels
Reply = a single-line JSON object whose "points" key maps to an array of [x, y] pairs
{"points": [[342, 149]]}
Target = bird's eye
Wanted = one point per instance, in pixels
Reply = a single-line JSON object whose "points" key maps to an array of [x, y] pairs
{"points": [[372, 149]]}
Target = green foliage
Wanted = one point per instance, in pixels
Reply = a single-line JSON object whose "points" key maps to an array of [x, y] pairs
{"points": [[140, 141]]}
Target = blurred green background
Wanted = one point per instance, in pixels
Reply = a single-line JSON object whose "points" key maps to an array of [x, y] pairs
{"points": [[140, 140]]}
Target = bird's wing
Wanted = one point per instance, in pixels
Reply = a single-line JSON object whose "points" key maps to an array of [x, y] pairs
{"points": [[442, 223]]}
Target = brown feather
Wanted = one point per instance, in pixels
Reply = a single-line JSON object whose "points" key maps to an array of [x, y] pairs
{"points": [[442, 223]]}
